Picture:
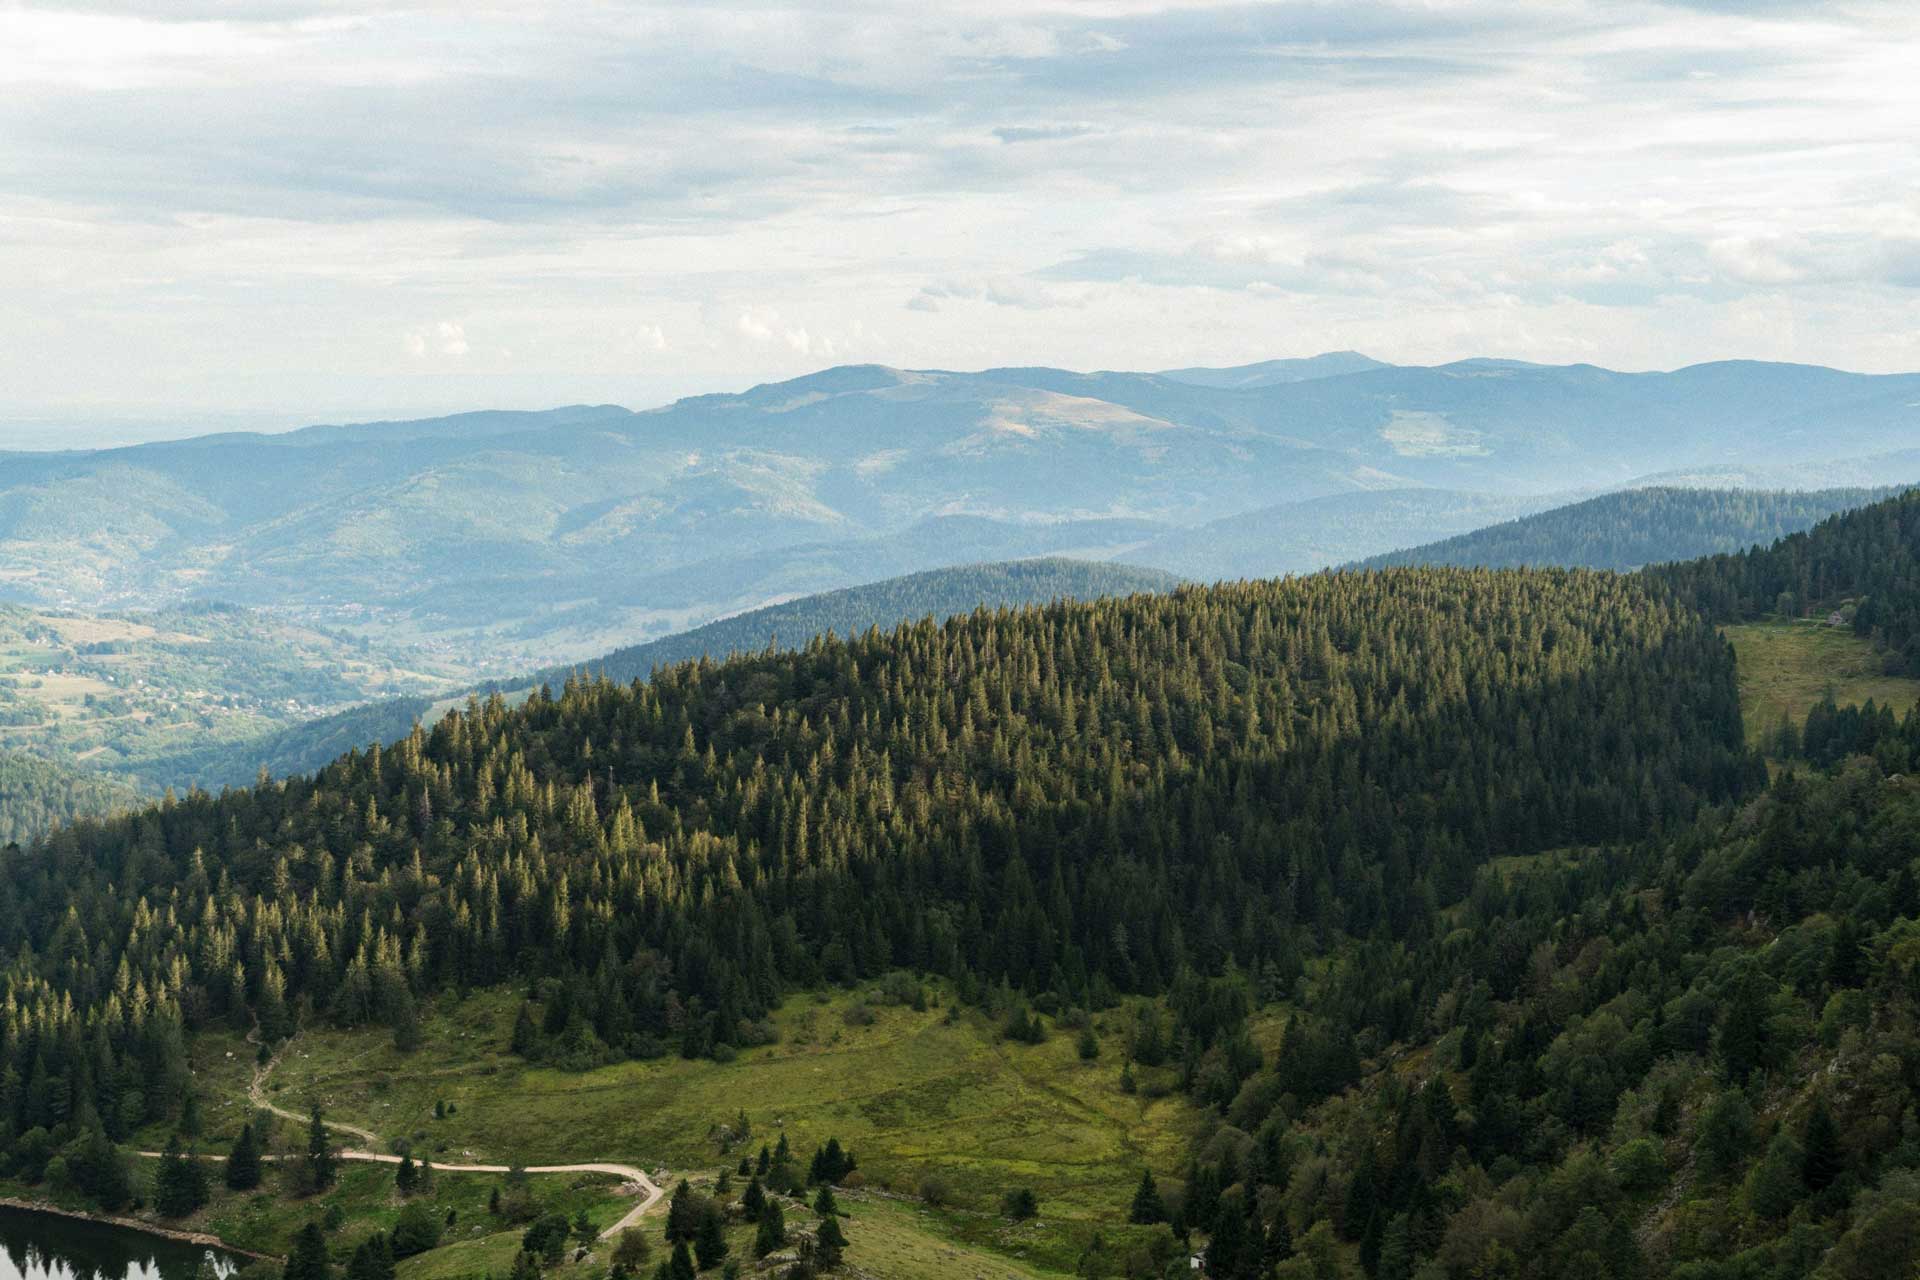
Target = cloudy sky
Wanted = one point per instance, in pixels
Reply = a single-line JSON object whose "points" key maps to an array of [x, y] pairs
{"points": [[273, 210]]}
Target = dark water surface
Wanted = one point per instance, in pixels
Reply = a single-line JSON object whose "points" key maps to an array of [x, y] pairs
{"points": [[45, 1246]]}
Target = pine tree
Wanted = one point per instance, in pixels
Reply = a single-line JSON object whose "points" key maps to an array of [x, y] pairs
{"points": [[831, 1242], [824, 1203], [1147, 1206], [243, 1161], [681, 1267], [320, 1154], [307, 1260], [772, 1234], [753, 1201], [681, 1218], [710, 1240], [1362, 1196], [1823, 1161], [179, 1185], [405, 1175], [365, 1264]]}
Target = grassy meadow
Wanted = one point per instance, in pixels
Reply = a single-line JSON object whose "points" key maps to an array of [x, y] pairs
{"points": [[1787, 667], [931, 1101]]}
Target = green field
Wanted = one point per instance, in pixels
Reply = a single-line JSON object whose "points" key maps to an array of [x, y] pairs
{"points": [[265, 1220], [1787, 667], [924, 1099]]}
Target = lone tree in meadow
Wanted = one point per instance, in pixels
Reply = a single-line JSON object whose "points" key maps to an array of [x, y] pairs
{"points": [[243, 1161], [1147, 1204], [320, 1154]]}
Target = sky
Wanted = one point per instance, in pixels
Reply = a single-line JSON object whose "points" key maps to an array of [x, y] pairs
{"points": [[268, 212]]}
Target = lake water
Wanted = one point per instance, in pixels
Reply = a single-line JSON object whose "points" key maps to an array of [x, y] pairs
{"points": [[45, 1246]]}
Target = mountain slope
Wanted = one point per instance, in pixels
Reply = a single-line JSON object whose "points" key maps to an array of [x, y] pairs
{"points": [[1624, 531], [938, 594], [37, 794], [1301, 537], [1861, 568]]}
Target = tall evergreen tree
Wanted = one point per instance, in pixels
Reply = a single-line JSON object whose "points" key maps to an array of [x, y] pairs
{"points": [[242, 1170]]}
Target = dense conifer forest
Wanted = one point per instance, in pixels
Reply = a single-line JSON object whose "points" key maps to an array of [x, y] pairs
{"points": [[1624, 531], [1861, 569], [1081, 799], [1569, 985], [36, 794]]}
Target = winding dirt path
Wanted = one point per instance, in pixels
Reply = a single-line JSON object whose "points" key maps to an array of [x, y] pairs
{"points": [[650, 1192]]}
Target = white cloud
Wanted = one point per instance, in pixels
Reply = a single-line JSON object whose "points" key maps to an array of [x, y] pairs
{"points": [[446, 337], [1100, 183]]}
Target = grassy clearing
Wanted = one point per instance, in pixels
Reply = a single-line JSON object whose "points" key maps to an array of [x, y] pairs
{"points": [[265, 1220], [1787, 667], [919, 1095]]}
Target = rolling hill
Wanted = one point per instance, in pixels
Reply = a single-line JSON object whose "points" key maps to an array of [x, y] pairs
{"points": [[1304, 536], [37, 794], [523, 539], [938, 594], [1637, 527]]}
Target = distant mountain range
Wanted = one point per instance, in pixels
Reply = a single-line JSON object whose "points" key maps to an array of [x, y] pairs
{"points": [[514, 539]]}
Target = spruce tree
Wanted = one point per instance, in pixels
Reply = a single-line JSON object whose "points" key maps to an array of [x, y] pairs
{"points": [[681, 1220], [179, 1185], [681, 1266], [710, 1240], [772, 1234], [1823, 1161], [753, 1201], [831, 1241], [320, 1154], [1147, 1206], [1362, 1197], [307, 1260], [243, 1161]]}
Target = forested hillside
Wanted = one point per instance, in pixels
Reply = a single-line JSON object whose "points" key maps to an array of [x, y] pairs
{"points": [[938, 594], [1694, 1058], [1452, 899], [1861, 569], [1624, 531], [36, 794], [1078, 799]]}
